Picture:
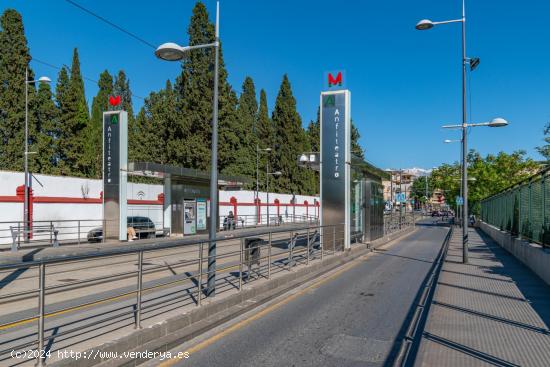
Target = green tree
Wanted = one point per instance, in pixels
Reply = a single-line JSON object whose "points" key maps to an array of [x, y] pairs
{"points": [[191, 144], [544, 150], [488, 175], [121, 87], [314, 133], [93, 133], [246, 132], [44, 133], [290, 141], [14, 58], [156, 124], [264, 133], [74, 119], [356, 148]]}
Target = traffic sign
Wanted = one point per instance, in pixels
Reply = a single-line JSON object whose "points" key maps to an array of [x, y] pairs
{"points": [[400, 197], [459, 200]]}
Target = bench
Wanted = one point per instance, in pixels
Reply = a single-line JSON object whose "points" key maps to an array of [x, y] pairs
{"points": [[17, 232]]}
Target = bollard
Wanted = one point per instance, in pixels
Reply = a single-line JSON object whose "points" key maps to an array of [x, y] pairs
{"points": [[139, 290], [41, 308], [199, 285]]}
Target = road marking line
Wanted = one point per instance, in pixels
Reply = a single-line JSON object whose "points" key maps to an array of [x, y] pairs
{"points": [[265, 311]]}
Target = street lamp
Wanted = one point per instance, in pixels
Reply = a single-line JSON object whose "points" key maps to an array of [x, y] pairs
{"points": [[426, 24], [258, 150], [267, 174], [26, 218], [174, 52]]}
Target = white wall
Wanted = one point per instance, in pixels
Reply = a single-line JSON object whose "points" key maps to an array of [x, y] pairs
{"points": [[91, 214]]}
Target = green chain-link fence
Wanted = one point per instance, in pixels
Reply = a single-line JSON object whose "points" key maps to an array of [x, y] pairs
{"points": [[523, 209]]}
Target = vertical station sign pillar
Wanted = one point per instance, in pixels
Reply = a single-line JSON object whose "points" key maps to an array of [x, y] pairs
{"points": [[115, 168], [335, 162]]}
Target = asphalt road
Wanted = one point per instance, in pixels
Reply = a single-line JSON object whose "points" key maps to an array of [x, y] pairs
{"points": [[354, 318]]}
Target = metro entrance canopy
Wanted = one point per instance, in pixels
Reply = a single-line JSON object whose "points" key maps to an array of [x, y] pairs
{"points": [[186, 192]]}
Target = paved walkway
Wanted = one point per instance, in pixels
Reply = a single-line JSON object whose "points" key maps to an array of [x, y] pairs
{"points": [[491, 312]]}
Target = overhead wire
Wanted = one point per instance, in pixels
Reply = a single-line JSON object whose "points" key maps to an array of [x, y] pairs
{"points": [[136, 37], [66, 67]]}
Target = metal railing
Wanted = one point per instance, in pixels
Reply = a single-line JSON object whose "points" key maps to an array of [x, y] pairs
{"points": [[396, 222], [247, 221], [137, 286], [522, 210], [15, 234]]}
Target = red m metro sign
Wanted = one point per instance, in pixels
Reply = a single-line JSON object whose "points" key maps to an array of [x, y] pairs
{"points": [[335, 80]]}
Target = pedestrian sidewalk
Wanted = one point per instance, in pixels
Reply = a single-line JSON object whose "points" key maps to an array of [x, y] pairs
{"points": [[492, 311]]}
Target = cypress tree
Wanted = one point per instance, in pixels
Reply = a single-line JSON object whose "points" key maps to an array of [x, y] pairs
{"points": [[75, 118], [44, 133], [92, 158], [314, 133], [264, 132], [245, 131], [290, 141], [355, 146], [155, 124], [14, 58], [192, 140]]}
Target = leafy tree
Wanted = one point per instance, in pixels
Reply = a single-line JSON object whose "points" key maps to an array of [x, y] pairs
{"points": [[355, 146], [290, 141], [191, 144], [44, 133], [489, 175], [121, 87], [74, 119], [418, 189], [94, 131], [314, 133], [156, 124], [544, 150], [245, 130], [14, 58]]}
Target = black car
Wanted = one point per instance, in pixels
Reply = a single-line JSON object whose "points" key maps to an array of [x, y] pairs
{"points": [[144, 227]]}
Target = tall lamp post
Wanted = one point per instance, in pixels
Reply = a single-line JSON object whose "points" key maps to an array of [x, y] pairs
{"points": [[426, 24], [174, 52], [497, 122], [258, 150], [26, 216]]}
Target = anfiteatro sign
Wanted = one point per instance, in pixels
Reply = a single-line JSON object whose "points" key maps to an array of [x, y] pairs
{"points": [[335, 163], [115, 166]]}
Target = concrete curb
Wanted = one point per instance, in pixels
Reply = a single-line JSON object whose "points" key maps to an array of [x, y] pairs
{"points": [[174, 331]]}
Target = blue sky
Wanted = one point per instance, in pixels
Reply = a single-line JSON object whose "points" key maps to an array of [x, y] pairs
{"points": [[405, 84]]}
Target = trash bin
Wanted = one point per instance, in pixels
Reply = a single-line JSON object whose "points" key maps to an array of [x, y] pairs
{"points": [[252, 254]]}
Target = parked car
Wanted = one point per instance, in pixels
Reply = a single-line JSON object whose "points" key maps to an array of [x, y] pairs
{"points": [[144, 227], [436, 213]]}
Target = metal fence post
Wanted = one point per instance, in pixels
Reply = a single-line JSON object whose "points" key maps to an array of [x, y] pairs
{"points": [[291, 246], [307, 261], [269, 257], [321, 241], [79, 231], [199, 285], [41, 309], [139, 290], [241, 265], [51, 233], [333, 240], [544, 229], [18, 235]]}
